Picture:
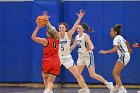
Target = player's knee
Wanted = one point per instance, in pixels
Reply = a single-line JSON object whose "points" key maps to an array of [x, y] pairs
{"points": [[93, 75], [77, 75], [50, 80], [45, 77], [115, 73]]}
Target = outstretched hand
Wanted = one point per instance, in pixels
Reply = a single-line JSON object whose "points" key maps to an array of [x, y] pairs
{"points": [[45, 13], [81, 13], [135, 45], [103, 52]]}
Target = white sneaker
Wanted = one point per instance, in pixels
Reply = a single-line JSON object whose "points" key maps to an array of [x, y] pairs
{"points": [[81, 91], [110, 87], [116, 90], [51, 91], [122, 91], [86, 90], [45, 91]]}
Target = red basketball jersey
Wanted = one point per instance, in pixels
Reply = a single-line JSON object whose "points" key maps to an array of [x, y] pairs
{"points": [[51, 61], [51, 50]]}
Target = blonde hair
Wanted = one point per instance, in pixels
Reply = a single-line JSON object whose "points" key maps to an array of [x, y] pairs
{"points": [[52, 32]]}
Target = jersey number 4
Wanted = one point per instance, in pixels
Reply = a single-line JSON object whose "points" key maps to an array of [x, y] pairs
{"points": [[79, 45]]}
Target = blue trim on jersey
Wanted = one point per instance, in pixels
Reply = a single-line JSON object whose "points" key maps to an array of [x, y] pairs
{"points": [[73, 64], [86, 45], [122, 58], [91, 59], [122, 48]]}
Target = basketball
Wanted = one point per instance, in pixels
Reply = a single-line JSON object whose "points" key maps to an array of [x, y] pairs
{"points": [[43, 20]]}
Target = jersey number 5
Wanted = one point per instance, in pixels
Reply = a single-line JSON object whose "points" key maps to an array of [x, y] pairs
{"points": [[62, 47]]}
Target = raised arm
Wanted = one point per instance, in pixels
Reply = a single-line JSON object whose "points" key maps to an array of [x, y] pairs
{"points": [[45, 13], [38, 39], [80, 15], [49, 25]]}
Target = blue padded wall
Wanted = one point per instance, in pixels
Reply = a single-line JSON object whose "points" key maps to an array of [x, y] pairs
{"points": [[101, 16], [20, 57], [16, 60], [1, 42]]}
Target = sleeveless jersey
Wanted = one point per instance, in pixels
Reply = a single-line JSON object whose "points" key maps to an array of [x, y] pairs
{"points": [[51, 50], [121, 43], [64, 45], [81, 43]]}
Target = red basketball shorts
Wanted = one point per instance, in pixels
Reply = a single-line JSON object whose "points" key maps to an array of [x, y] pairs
{"points": [[51, 67]]}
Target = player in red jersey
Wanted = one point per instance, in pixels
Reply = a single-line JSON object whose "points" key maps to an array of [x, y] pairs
{"points": [[50, 60]]}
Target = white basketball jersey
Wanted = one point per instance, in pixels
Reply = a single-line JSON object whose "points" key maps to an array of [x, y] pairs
{"points": [[64, 45], [81, 43], [121, 43]]}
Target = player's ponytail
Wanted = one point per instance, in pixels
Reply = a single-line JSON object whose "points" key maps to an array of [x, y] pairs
{"points": [[86, 27], [117, 28]]}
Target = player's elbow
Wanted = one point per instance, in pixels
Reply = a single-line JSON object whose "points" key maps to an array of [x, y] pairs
{"points": [[127, 43], [33, 38], [92, 47]]}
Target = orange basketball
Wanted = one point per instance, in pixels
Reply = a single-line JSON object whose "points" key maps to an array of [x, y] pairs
{"points": [[43, 20]]}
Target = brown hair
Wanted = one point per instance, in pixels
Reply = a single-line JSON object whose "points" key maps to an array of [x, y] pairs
{"points": [[86, 27], [117, 28], [63, 23]]}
